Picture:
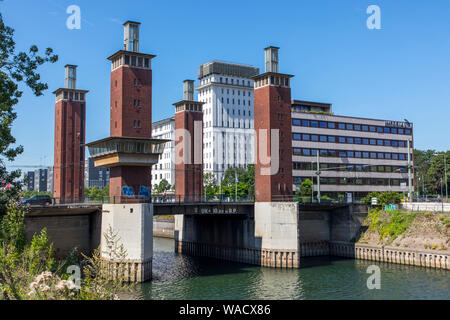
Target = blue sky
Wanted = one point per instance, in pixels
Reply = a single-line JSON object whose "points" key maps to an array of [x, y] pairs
{"points": [[401, 71]]}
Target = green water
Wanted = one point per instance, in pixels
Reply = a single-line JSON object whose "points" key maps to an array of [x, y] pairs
{"points": [[176, 276]]}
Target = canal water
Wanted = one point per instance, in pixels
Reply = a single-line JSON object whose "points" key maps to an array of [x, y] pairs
{"points": [[176, 276]]}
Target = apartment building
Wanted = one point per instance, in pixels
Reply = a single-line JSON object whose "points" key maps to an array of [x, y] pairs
{"points": [[164, 169], [226, 89]]}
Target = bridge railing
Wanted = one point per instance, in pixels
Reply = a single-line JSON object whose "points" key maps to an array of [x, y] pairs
{"points": [[198, 199]]}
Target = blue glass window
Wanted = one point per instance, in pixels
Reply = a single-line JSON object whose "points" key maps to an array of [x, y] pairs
{"points": [[296, 122], [296, 136], [331, 125], [331, 139], [314, 124], [314, 137], [323, 124], [306, 137], [305, 123]]}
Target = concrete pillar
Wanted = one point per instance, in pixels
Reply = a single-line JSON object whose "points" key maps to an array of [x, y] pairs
{"points": [[276, 227], [133, 224]]}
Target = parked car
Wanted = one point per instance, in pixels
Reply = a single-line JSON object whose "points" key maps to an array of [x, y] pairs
{"points": [[39, 199]]}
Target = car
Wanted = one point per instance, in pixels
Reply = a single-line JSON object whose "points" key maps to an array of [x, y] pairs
{"points": [[39, 199]]}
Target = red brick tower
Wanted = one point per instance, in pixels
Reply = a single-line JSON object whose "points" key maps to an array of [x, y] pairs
{"points": [[131, 106], [129, 152], [188, 146], [273, 161], [70, 133]]}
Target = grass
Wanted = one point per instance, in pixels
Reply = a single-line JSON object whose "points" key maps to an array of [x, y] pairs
{"points": [[389, 225]]}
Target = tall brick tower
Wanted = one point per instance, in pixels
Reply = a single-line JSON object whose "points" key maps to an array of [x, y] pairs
{"points": [[70, 132], [188, 146], [273, 168], [129, 152]]}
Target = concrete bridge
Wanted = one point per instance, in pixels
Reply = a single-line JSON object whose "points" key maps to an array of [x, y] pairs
{"points": [[275, 235]]}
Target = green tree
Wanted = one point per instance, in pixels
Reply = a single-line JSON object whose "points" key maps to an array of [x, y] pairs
{"points": [[15, 68], [209, 185], [162, 187]]}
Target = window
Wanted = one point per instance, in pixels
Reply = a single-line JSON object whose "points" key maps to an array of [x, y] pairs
{"points": [[306, 137], [323, 153], [394, 156], [373, 142], [387, 143], [387, 130], [341, 139], [379, 142], [296, 136], [365, 155], [402, 156], [349, 140], [357, 127], [358, 154], [372, 129], [323, 138], [387, 155], [314, 124], [296, 151], [379, 129], [295, 122], [349, 126], [380, 155], [314, 137], [323, 124], [331, 125], [394, 143], [342, 154], [331, 139], [350, 154], [358, 140], [341, 126], [332, 153], [373, 155], [314, 152], [306, 152], [305, 123], [400, 131], [394, 130], [365, 128], [365, 141]]}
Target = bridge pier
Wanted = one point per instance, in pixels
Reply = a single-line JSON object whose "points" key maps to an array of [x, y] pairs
{"points": [[267, 236], [133, 225], [276, 225]]}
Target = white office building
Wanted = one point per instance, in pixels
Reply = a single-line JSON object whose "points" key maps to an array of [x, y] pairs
{"points": [[164, 169], [228, 131]]}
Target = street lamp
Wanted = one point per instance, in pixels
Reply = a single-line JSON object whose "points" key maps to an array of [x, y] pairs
{"points": [[409, 166]]}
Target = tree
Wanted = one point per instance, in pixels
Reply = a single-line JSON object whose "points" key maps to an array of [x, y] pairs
{"points": [[209, 185], [15, 68], [95, 193], [162, 187]]}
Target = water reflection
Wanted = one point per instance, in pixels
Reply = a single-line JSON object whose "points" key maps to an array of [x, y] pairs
{"points": [[181, 277]]}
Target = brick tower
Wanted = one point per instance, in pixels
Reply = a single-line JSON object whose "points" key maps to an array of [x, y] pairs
{"points": [[273, 160], [188, 146], [130, 151], [70, 132]]}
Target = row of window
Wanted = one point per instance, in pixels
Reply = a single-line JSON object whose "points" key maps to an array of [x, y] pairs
{"points": [[348, 167], [238, 101], [348, 126], [351, 140], [354, 181], [79, 96], [349, 154]]}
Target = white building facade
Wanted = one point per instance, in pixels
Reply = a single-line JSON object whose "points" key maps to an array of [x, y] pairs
{"points": [[165, 168], [228, 131]]}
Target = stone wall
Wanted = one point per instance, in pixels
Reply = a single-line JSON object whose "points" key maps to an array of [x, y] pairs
{"points": [[426, 206], [67, 231], [163, 228]]}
